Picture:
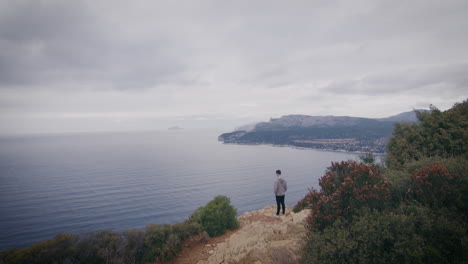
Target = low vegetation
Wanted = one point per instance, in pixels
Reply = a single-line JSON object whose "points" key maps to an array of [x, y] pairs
{"points": [[413, 209], [154, 243], [217, 216]]}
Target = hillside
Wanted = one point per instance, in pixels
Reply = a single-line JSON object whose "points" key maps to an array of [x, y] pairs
{"points": [[354, 134], [261, 238]]}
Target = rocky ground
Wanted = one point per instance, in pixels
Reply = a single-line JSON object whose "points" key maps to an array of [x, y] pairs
{"points": [[260, 238]]}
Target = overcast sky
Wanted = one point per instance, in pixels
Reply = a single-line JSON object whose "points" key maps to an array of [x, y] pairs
{"points": [[123, 65]]}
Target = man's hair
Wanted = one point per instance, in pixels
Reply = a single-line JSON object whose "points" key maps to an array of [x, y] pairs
{"points": [[278, 172]]}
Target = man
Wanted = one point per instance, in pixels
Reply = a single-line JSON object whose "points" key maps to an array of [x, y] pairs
{"points": [[280, 189]]}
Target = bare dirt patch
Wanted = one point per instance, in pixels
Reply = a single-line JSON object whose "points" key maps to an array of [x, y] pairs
{"points": [[197, 248], [258, 217]]}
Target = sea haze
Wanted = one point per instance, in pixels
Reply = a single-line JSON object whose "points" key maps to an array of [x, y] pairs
{"points": [[80, 183]]}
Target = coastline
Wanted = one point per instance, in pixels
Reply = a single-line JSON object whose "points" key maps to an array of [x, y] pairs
{"points": [[304, 148]]}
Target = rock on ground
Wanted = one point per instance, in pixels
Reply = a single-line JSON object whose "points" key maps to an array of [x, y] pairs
{"points": [[263, 238]]}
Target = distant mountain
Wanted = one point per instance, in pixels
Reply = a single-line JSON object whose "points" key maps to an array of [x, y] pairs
{"points": [[303, 121], [342, 133], [248, 127], [408, 117]]}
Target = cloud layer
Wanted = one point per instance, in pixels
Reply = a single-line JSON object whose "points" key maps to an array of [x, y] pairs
{"points": [[237, 60]]}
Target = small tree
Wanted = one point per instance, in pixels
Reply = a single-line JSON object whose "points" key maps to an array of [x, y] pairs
{"points": [[367, 158], [437, 134], [216, 216]]}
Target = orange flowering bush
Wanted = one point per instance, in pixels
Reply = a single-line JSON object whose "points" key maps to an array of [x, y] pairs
{"points": [[346, 187]]}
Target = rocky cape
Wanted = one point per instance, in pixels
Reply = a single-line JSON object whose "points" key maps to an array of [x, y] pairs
{"points": [[337, 133], [262, 238]]}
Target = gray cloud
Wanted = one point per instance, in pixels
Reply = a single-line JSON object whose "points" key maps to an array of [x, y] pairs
{"points": [[148, 43], [233, 58], [57, 42], [450, 78]]}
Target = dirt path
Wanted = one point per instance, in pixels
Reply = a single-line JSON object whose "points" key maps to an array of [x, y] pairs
{"points": [[196, 248], [259, 231]]}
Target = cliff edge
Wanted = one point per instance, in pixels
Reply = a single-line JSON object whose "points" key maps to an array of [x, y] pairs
{"points": [[262, 238]]}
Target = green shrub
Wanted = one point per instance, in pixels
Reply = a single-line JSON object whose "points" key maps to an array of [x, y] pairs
{"points": [[134, 245], [405, 145], [102, 247], [216, 216], [367, 158], [60, 249], [388, 237], [431, 181], [180, 232], [158, 243], [155, 243], [156, 246], [186, 229], [437, 134]]}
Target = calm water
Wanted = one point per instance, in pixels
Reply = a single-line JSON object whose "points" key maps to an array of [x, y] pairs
{"points": [[87, 182]]}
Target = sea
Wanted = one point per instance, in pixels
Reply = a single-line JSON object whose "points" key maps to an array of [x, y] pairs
{"points": [[86, 182]]}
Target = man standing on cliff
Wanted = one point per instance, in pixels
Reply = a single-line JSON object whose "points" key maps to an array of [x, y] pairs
{"points": [[280, 189]]}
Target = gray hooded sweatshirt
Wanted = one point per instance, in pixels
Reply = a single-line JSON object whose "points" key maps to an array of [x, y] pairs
{"points": [[280, 187]]}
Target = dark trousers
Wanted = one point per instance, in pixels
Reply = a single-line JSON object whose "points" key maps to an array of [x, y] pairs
{"points": [[280, 201]]}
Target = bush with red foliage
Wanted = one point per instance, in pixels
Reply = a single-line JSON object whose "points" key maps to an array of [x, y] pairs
{"points": [[434, 185], [309, 199], [345, 188]]}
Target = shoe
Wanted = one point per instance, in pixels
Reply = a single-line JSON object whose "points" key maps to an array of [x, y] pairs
{"points": [[275, 215]]}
